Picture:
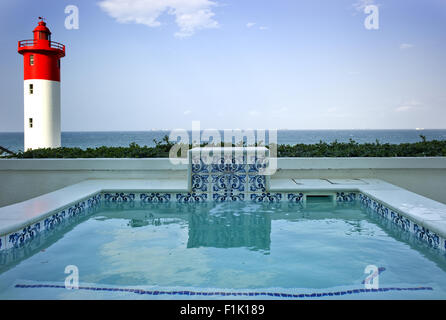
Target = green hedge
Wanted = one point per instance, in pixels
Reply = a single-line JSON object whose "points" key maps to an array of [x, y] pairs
{"points": [[161, 149], [424, 148]]}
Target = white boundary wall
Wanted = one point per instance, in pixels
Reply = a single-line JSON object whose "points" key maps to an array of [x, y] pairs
{"points": [[24, 179]]}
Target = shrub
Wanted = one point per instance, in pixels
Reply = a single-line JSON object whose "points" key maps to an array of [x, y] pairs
{"points": [[424, 148]]}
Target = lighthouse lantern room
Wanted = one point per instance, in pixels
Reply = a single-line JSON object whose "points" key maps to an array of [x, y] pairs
{"points": [[41, 70]]}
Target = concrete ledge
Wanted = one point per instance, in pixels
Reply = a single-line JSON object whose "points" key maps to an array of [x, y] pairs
{"points": [[362, 163], [165, 164], [105, 164], [276, 185]]}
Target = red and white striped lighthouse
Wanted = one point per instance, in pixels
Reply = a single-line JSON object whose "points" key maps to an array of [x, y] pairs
{"points": [[41, 66]]}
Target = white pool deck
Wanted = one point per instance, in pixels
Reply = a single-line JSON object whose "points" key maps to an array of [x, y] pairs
{"points": [[424, 211]]}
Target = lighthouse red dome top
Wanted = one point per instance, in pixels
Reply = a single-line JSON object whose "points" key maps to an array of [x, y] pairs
{"points": [[41, 31], [41, 42]]}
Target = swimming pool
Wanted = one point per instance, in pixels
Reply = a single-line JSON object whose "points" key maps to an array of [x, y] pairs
{"points": [[316, 249]]}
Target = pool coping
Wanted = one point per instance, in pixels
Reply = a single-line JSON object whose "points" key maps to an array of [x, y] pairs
{"points": [[18, 215], [422, 211]]}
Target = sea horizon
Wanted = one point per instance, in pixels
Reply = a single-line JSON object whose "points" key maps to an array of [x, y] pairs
{"points": [[280, 129]]}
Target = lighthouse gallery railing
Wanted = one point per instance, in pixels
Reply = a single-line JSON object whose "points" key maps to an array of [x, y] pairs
{"points": [[32, 42]]}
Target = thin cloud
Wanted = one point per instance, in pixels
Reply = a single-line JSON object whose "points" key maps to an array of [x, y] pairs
{"points": [[404, 46], [409, 106], [254, 113], [190, 15], [404, 108], [186, 112], [252, 24]]}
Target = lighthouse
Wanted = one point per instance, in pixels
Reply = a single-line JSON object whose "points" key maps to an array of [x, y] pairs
{"points": [[41, 75]]}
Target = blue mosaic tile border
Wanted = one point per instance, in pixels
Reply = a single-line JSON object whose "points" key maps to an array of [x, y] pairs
{"points": [[28, 233], [346, 196], [425, 235], [198, 197], [240, 182], [155, 197], [231, 293]]}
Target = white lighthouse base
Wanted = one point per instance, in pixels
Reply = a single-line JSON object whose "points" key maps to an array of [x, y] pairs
{"points": [[43, 107]]}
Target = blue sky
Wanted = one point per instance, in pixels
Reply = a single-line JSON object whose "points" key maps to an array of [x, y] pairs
{"points": [[310, 64]]}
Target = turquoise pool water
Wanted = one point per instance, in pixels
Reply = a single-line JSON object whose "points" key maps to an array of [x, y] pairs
{"points": [[225, 247]]}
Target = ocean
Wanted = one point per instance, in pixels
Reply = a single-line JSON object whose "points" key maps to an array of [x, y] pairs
{"points": [[14, 140]]}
